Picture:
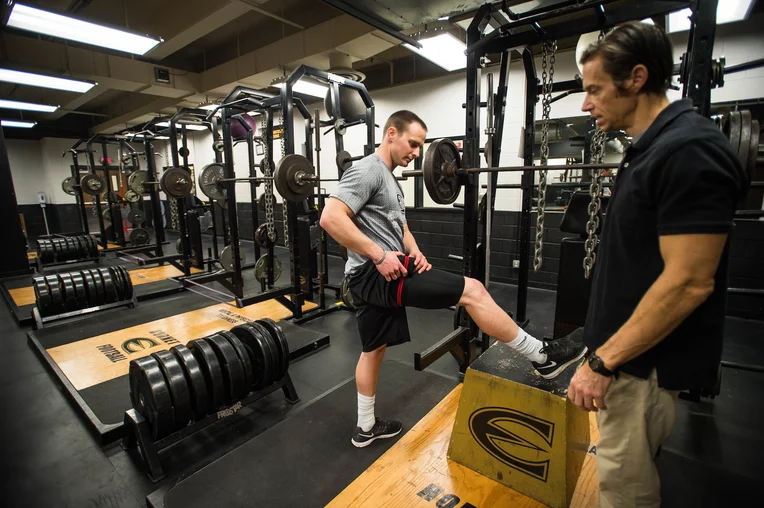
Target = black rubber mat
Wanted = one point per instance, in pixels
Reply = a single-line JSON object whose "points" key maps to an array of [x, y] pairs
{"points": [[307, 459]]}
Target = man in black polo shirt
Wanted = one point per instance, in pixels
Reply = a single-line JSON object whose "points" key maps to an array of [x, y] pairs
{"points": [[657, 307]]}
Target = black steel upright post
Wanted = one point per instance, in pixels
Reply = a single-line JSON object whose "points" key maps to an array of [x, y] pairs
{"points": [[253, 187], [238, 282], [700, 55], [531, 97], [180, 203], [334, 90], [115, 221], [213, 211], [91, 161], [156, 207], [290, 210], [79, 194]]}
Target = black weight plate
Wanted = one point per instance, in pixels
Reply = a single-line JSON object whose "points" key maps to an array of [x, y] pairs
{"points": [[264, 354], [42, 296], [100, 288], [128, 282], [275, 354], [71, 249], [70, 297], [246, 360], [116, 278], [233, 371], [88, 285], [201, 404], [441, 158], [79, 247], [279, 337], [179, 392], [93, 246], [79, 289], [57, 250], [211, 369], [176, 183], [56, 294], [254, 345], [88, 246], [111, 290], [150, 396]]}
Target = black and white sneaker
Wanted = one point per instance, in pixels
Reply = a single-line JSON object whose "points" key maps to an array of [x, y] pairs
{"points": [[560, 354], [382, 429]]}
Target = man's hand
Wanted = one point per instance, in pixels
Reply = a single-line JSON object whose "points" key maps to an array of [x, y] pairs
{"points": [[420, 262], [587, 389], [391, 268]]}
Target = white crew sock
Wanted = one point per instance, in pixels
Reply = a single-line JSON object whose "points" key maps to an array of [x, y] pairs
{"points": [[528, 346], [366, 412]]}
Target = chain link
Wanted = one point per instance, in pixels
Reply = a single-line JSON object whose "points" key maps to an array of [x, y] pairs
{"points": [[597, 150], [268, 184], [546, 101], [283, 202]]}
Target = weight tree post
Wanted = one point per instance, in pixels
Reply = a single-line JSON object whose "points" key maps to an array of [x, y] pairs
{"points": [[79, 194], [531, 95], [238, 282], [700, 55], [91, 161]]}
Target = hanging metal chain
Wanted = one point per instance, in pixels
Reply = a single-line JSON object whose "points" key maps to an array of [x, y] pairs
{"points": [[269, 199], [284, 203], [597, 150], [546, 101], [174, 220]]}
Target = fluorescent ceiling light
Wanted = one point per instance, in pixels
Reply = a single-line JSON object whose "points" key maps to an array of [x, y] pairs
{"points": [[444, 50], [27, 78], [16, 123], [209, 107], [306, 88], [189, 126], [28, 18], [27, 106], [726, 12]]}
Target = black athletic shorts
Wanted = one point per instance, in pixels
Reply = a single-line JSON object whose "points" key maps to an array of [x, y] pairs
{"points": [[381, 305]]}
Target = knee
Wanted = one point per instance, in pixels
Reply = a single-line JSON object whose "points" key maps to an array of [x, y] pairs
{"points": [[474, 291], [377, 354]]}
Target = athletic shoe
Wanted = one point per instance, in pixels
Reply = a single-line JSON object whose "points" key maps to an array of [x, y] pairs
{"points": [[382, 429], [560, 354]]}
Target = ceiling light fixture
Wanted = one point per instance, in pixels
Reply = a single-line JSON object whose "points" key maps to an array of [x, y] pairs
{"points": [[444, 50], [27, 106], [43, 81], [30, 19], [17, 123], [303, 87], [189, 126]]}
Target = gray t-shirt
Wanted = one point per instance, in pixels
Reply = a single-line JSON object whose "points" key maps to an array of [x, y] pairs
{"points": [[371, 191]]}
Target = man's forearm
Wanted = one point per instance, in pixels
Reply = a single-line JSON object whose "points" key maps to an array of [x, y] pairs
{"points": [[346, 233], [408, 242], [662, 309]]}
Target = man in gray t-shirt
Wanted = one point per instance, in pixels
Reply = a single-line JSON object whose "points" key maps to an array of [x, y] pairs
{"points": [[387, 272]]}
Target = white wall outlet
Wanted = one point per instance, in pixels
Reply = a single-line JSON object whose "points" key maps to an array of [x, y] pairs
{"points": [[515, 263]]}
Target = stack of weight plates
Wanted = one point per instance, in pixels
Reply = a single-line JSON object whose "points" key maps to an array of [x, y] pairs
{"points": [[171, 389], [70, 248], [69, 292]]}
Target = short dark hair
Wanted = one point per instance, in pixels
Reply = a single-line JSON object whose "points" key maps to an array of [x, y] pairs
{"points": [[401, 121], [632, 44]]}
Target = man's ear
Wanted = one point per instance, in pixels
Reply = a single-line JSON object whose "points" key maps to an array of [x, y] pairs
{"points": [[639, 75]]}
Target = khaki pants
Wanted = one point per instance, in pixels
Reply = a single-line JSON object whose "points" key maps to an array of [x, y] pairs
{"points": [[638, 418]]}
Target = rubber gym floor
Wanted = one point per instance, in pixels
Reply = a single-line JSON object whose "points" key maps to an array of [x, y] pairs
{"points": [[51, 460]]}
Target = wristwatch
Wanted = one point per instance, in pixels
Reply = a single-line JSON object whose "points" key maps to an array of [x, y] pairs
{"points": [[598, 366]]}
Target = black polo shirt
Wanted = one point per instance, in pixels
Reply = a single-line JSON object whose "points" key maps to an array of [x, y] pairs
{"points": [[680, 177]]}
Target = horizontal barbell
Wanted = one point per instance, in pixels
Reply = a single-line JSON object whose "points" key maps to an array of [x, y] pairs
{"points": [[443, 165]]}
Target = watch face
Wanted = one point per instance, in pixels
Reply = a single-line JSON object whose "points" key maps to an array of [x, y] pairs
{"points": [[595, 363]]}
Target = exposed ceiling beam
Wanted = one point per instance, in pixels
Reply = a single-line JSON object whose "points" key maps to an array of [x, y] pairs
{"points": [[129, 119], [252, 5], [78, 102]]}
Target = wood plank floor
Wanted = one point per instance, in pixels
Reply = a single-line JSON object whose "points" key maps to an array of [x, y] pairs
{"points": [[94, 360], [415, 472], [25, 296]]}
